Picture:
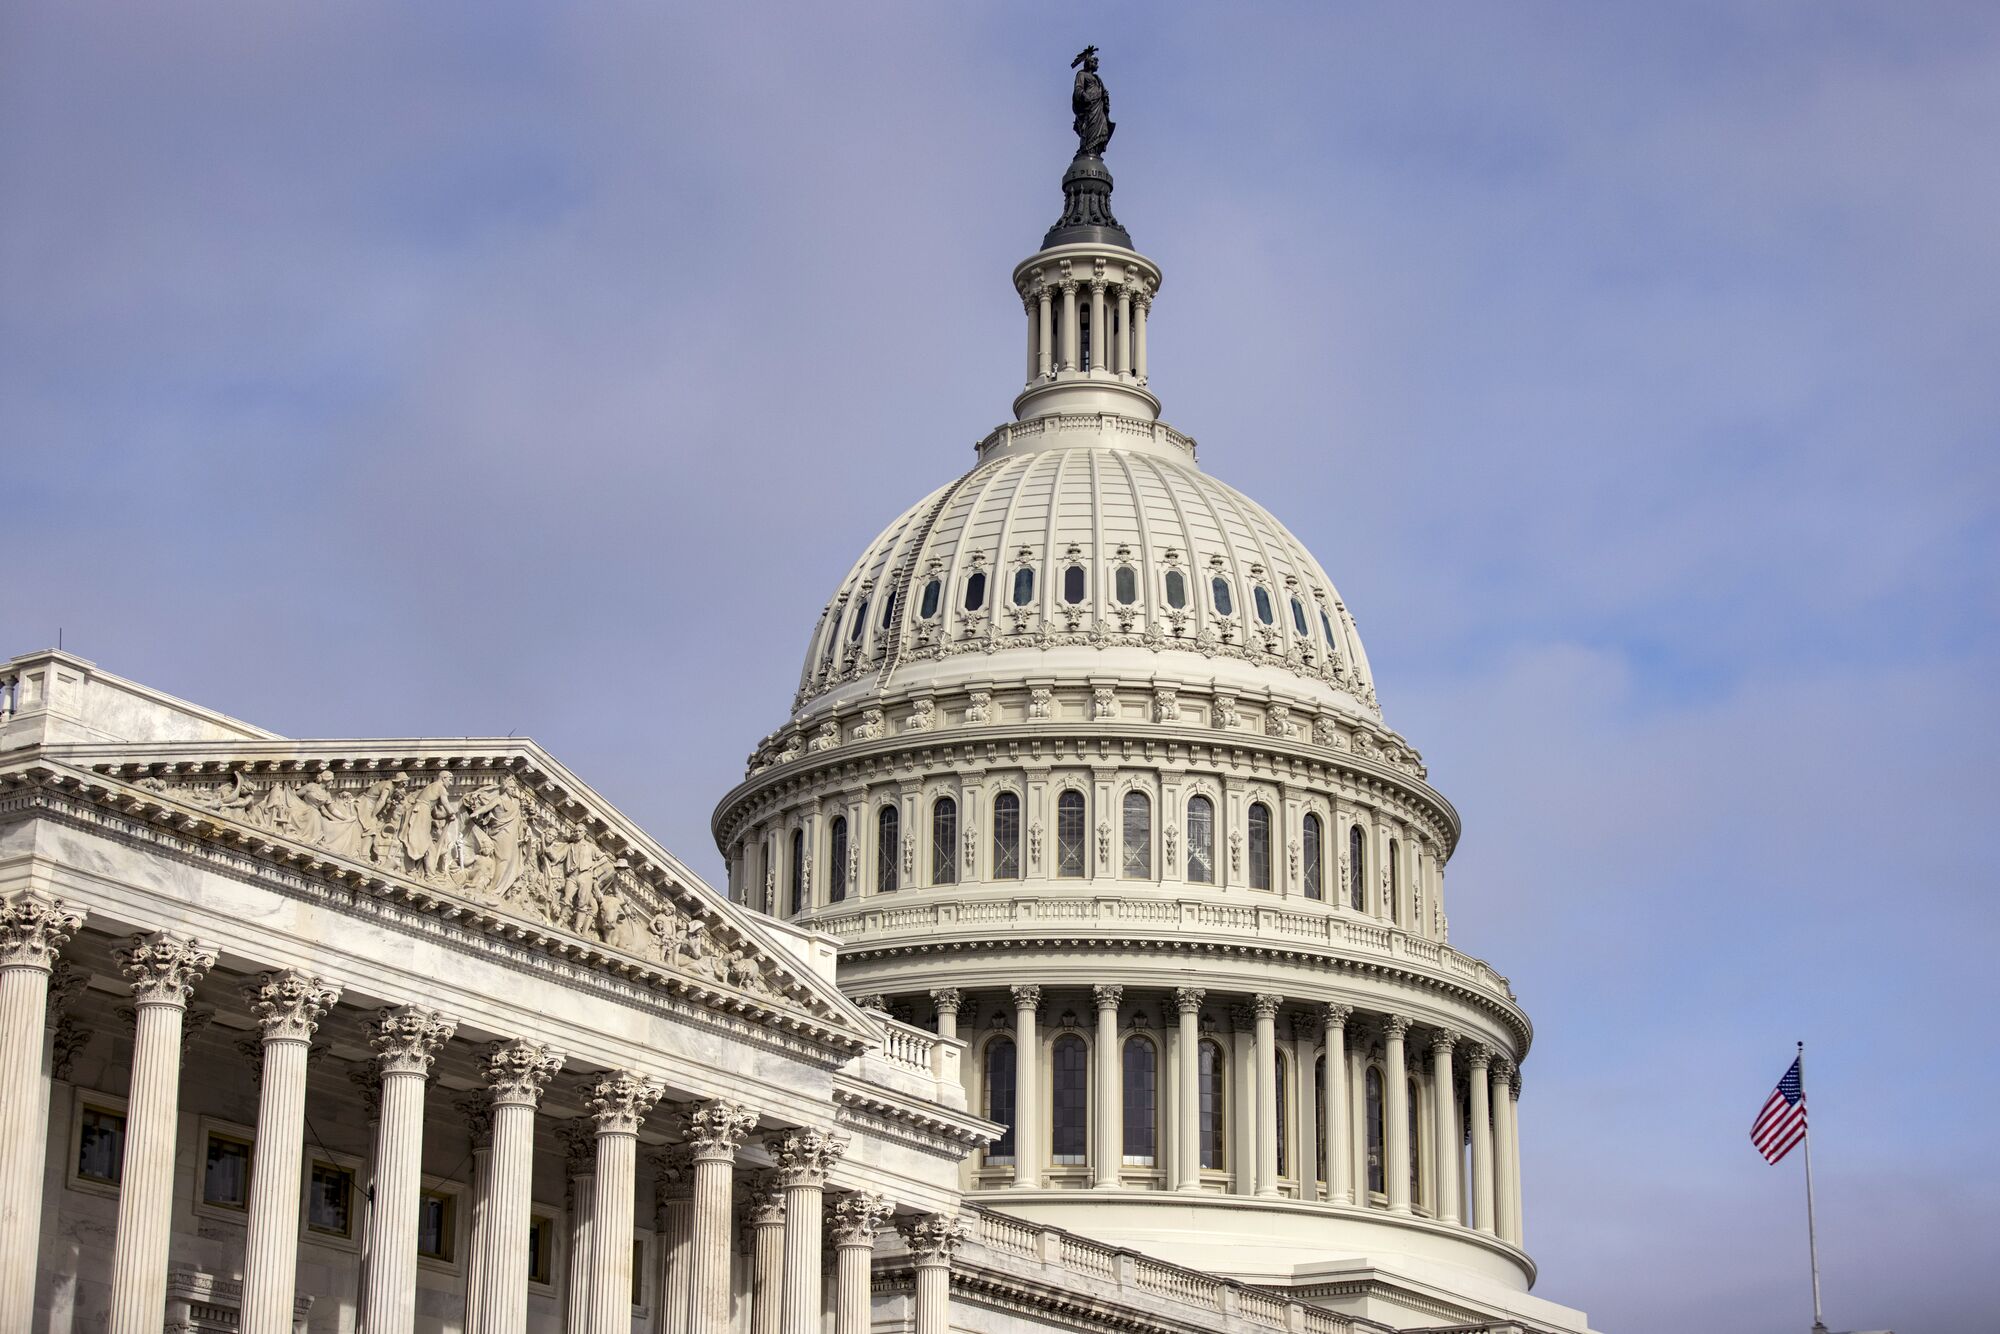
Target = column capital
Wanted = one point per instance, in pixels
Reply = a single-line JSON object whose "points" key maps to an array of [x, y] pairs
{"points": [[1337, 1015], [478, 1114], [1188, 1000], [34, 928], [367, 1082], [804, 1156], [1306, 1026], [1442, 1041], [518, 1072], [620, 1100], [1266, 1004], [66, 983], [933, 1238], [163, 968], [764, 1201], [1503, 1067], [1107, 996], [946, 1000], [1243, 1018], [715, 1130], [288, 1005], [1477, 1056], [673, 1171], [1395, 1025], [579, 1141], [1026, 996], [1514, 1084], [406, 1039], [855, 1217]]}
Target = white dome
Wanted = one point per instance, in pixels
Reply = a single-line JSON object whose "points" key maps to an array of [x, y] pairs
{"points": [[1087, 540]]}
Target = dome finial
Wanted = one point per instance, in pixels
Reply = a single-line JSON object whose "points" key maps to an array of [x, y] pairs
{"points": [[1086, 212]]}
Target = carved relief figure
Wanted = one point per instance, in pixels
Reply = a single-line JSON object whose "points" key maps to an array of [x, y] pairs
{"points": [[428, 825], [494, 816]]}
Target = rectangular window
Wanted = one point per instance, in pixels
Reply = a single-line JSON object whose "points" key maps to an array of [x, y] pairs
{"points": [[100, 1145], [541, 1249], [330, 1200], [437, 1219], [225, 1174]]}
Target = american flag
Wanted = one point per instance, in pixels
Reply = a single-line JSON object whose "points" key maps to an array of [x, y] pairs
{"points": [[1782, 1123]]}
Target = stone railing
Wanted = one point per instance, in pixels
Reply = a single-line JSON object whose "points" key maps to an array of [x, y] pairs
{"points": [[1121, 1276], [876, 921], [1096, 423], [919, 1049]]}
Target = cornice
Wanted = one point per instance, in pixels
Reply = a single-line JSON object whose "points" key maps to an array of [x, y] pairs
{"points": [[924, 1125]]}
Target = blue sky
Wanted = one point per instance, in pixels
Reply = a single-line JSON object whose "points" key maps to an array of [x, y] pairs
{"points": [[452, 370]]}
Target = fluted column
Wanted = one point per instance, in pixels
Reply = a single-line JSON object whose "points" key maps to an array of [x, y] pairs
{"points": [[477, 1115], [764, 1224], [715, 1130], [1123, 362], [1444, 1101], [580, 1165], [1396, 1115], [1027, 1096], [33, 929], [947, 1002], [1069, 332], [1045, 361], [1305, 1099], [673, 1216], [406, 1040], [1100, 341], [517, 1074], [1266, 1007], [619, 1103], [1514, 1151], [1029, 304], [1110, 1148], [1241, 1119], [933, 1239], [287, 1007], [1339, 1146], [1139, 337], [1502, 1076], [853, 1220], [801, 1159], [1478, 1069], [162, 969], [1187, 1158]]}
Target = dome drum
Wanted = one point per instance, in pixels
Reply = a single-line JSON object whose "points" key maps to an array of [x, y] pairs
{"points": [[1087, 306]]}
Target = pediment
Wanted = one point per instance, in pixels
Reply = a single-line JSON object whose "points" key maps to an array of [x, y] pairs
{"points": [[493, 835]]}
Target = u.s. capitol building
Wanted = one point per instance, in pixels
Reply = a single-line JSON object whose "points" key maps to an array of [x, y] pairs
{"points": [[1083, 964]]}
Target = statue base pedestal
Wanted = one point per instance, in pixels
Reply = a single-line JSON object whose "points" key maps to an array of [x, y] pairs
{"points": [[1087, 207]]}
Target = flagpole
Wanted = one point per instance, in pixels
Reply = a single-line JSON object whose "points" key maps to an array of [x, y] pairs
{"points": [[1812, 1231]]}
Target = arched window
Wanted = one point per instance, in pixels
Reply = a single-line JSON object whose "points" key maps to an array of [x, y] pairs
{"points": [[1201, 841], [944, 841], [836, 871], [1141, 1062], [1007, 836], [887, 850], [1218, 589], [1125, 585], [975, 590], [798, 871], [1309, 861], [1262, 596], [1260, 845], [928, 607], [1073, 585], [1357, 869], [1326, 624], [1284, 1084], [1416, 1159], [1138, 836], [1374, 1099], [1213, 1108], [1070, 836], [1069, 1101], [858, 624], [888, 609], [1176, 589], [1299, 618], [1024, 586], [1319, 1116], [1395, 881], [1000, 1097]]}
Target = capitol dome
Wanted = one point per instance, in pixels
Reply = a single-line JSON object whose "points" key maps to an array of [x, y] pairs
{"points": [[1085, 773]]}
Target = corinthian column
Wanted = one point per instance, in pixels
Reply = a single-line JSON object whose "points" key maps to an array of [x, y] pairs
{"points": [[764, 1224], [1187, 1158], [1339, 1149], [33, 930], [618, 1104], [1266, 1007], [854, 1219], [406, 1040], [1110, 1148], [947, 1001], [1396, 1113], [1514, 1150], [517, 1074], [287, 1007], [1478, 1068], [162, 970], [803, 1158], [477, 1115], [1504, 1185], [1027, 1099], [1444, 1099], [932, 1239], [715, 1131], [580, 1164], [673, 1214]]}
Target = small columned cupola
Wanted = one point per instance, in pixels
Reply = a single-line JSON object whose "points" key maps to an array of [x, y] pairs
{"points": [[1087, 292]]}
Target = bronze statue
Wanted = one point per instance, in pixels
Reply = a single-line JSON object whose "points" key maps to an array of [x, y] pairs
{"points": [[1092, 106]]}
